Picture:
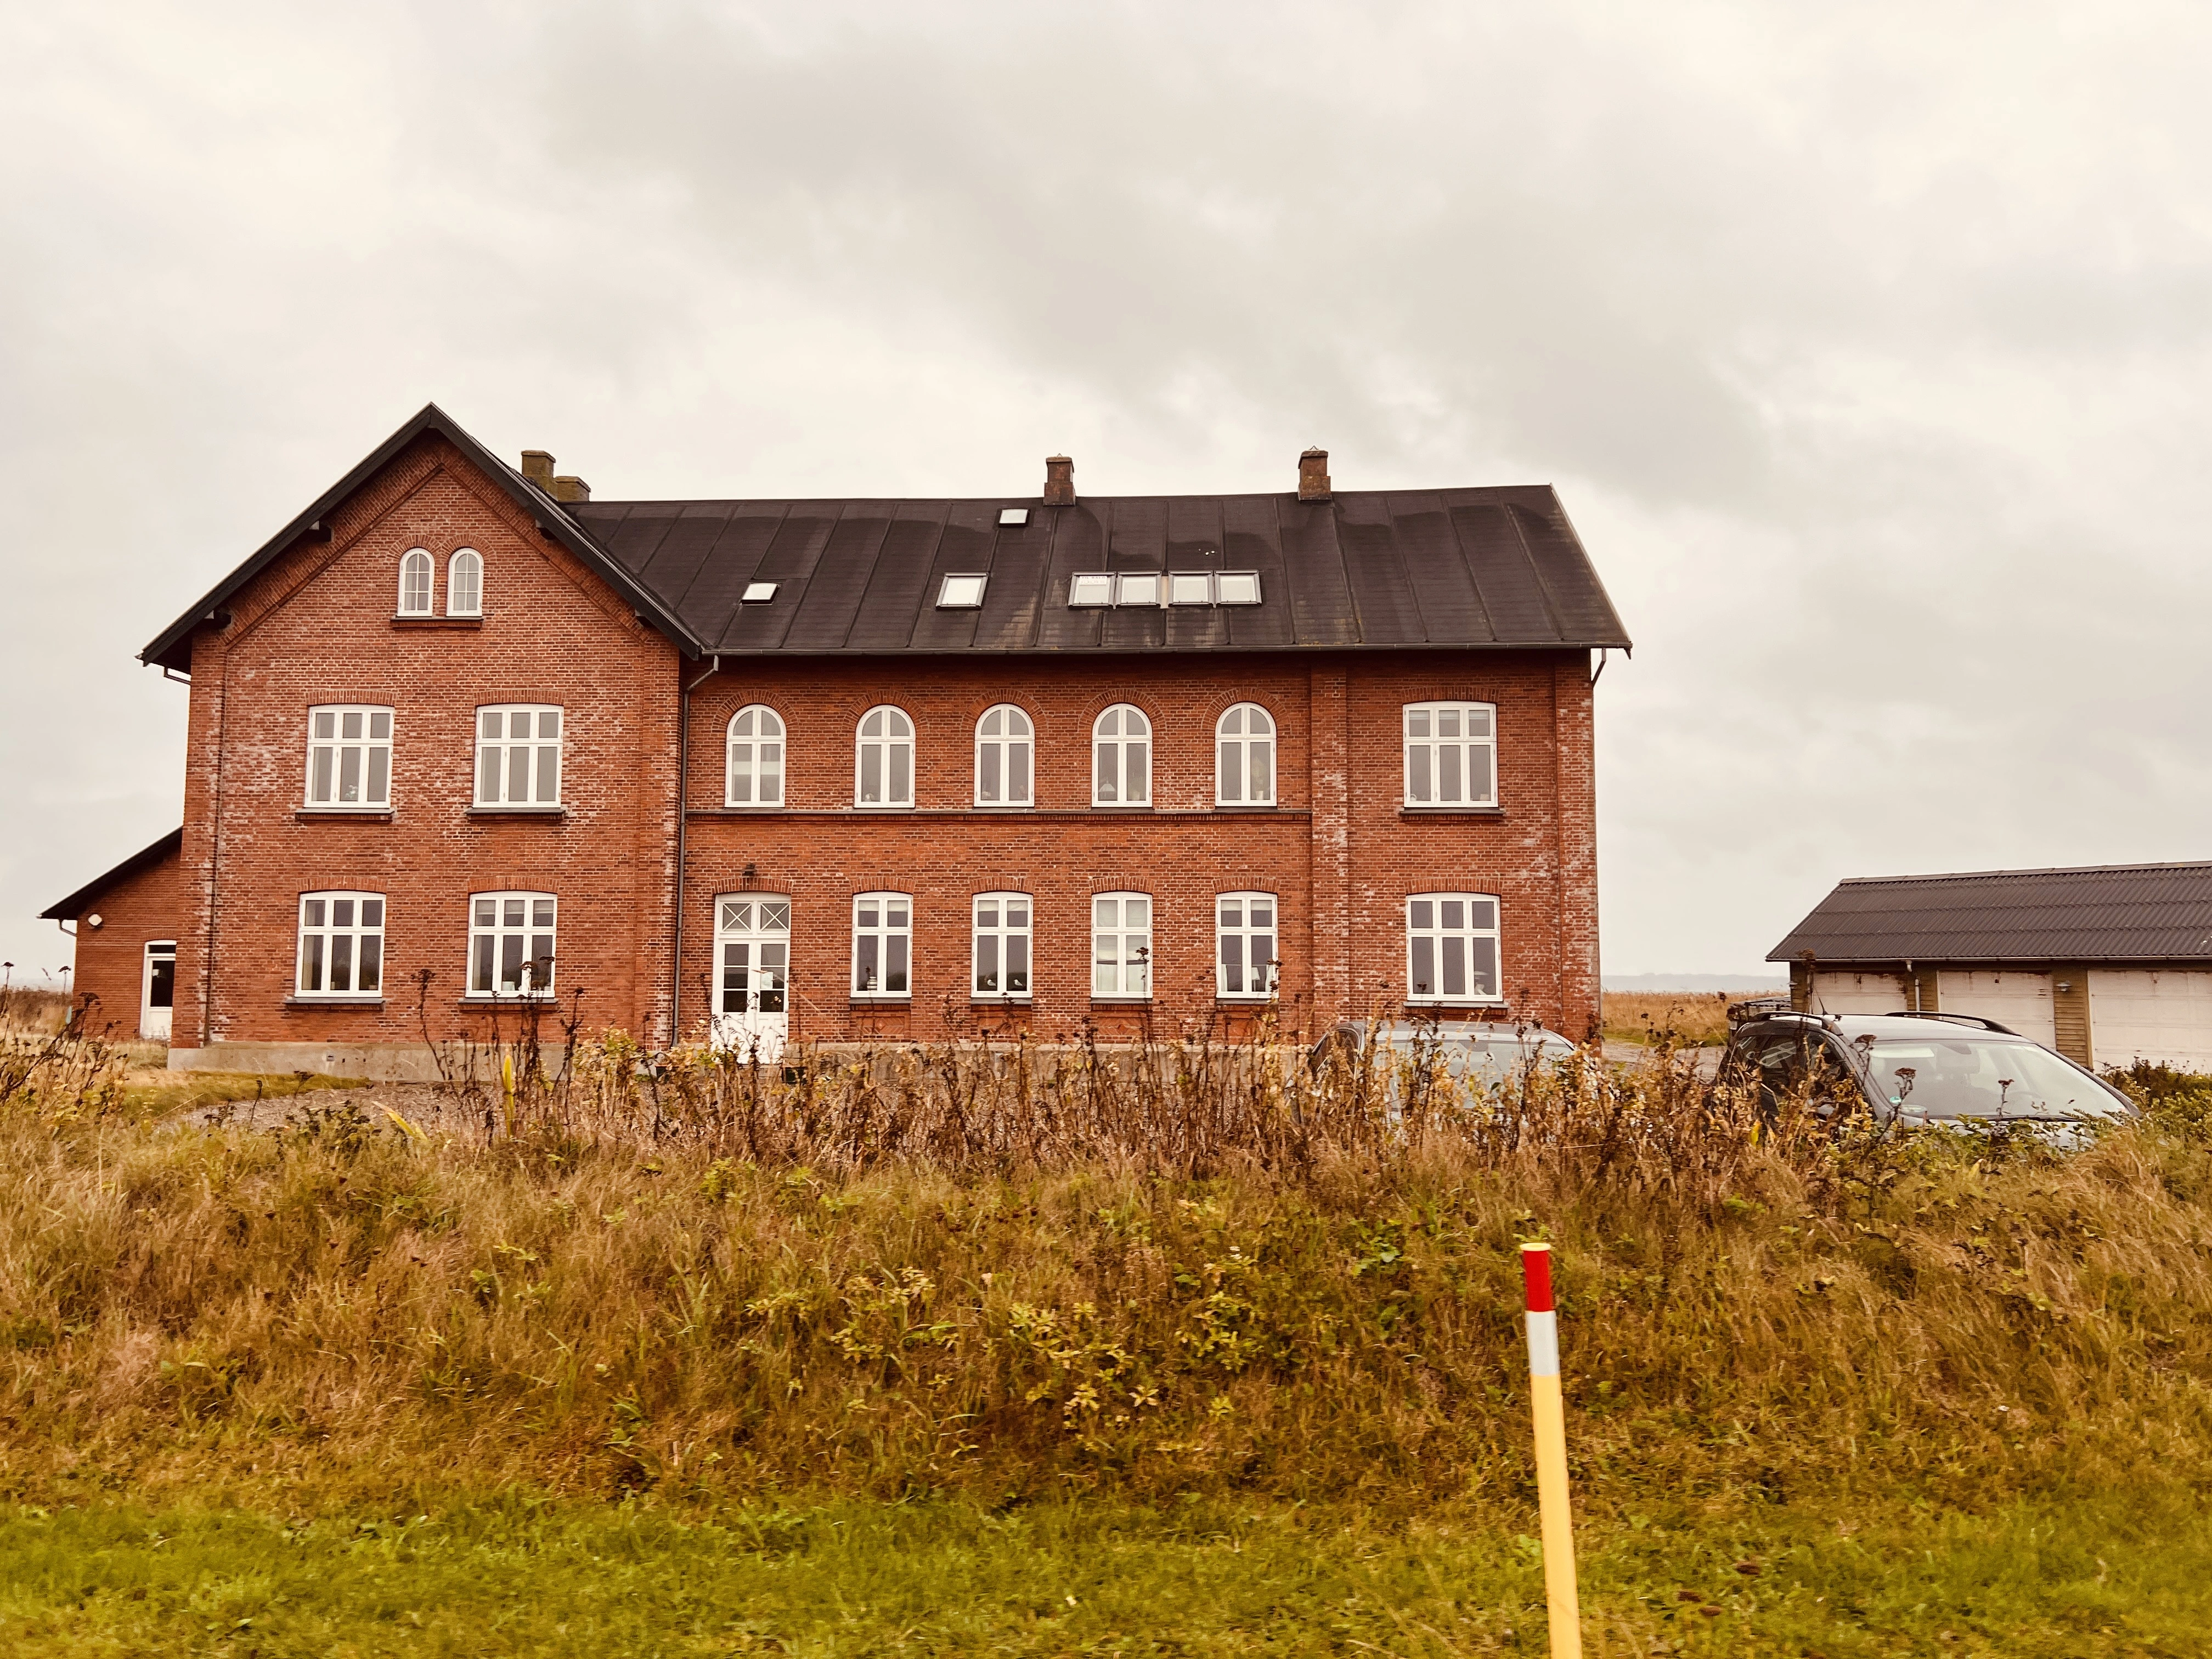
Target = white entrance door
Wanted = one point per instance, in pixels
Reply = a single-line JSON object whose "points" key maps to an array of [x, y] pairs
{"points": [[157, 992], [752, 963]]}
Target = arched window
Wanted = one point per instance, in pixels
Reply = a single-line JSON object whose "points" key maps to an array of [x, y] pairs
{"points": [[1004, 738], [1122, 758], [1244, 744], [756, 758], [883, 771], [464, 584], [416, 576]]}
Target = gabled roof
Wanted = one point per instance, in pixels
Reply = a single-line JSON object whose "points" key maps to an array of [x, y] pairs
{"points": [[172, 647], [77, 903], [2112, 913], [1370, 568]]}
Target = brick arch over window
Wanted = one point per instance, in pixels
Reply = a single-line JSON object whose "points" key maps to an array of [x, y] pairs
{"points": [[417, 582]]}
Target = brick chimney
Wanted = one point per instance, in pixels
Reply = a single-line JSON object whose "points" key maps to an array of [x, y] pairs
{"points": [[1059, 481], [568, 489], [538, 467], [1313, 476]]}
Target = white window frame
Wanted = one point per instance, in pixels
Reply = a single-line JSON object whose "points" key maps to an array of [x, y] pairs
{"points": [[1139, 590], [1430, 754], [541, 749], [329, 755], [1241, 929], [455, 585], [1434, 925], [1120, 969], [884, 921], [1003, 745], [1233, 761], [539, 921], [321, 938], [889, 741], [417, 560], [1103, 744], [754, 744], [993, 930], [1188, 588], [950, 598]]}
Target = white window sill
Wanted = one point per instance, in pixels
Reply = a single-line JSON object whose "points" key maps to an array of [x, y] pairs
{"points": [[535, 810], [878, 806], [752, 806], [1121, 806], [1121, 1002], [1410, 809], [990, 999], [347, 810], [1244, 806], [335, 999]]}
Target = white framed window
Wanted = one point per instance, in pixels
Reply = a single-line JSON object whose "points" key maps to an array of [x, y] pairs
{"points": [[519, 754], [756, 770], [757, 593], [1451, 947], [1001, 947], [1244, 757], [511, 943], [883, 769], [1120, 944], [464, 584], [1005, 747], [1090, 587], [1122, 758], [417, 574], [341, 945], [883, 946], [960, 593], [1213, 587], [1138, 588], [1244, 956], [1451, 754], [349, 755], [1141, 588]]}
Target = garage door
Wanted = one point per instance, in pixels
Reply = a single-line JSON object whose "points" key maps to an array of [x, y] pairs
{"points": [[1836, 992], [2149, 1015], [2020, 1000]]}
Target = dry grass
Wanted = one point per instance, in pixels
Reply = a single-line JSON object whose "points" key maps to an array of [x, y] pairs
{"points": [[1697, 1017]]}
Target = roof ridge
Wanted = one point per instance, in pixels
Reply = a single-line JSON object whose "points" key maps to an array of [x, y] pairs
{"points": [[2044, 870]]}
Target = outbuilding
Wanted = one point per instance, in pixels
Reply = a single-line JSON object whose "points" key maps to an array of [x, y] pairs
{"points": [[2108, 965]]}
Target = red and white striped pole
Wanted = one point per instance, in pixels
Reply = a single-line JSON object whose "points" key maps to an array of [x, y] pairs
{"points": [[1550, 1413]]}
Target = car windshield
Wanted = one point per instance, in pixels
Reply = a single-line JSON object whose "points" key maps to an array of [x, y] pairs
{"points": [[1972, 1076]]}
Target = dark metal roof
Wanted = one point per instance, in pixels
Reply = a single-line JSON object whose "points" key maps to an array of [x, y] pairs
{"points": [[172, 647], [78, 903], [1396, 568], [2112, 913]]}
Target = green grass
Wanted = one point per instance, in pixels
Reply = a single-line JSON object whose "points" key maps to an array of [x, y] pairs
{"points": [[2080, 1578]]}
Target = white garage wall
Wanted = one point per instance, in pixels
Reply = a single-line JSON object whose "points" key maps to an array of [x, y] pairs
{"points": [[1838, 992], [2137, 1014], [2020, 1000]]}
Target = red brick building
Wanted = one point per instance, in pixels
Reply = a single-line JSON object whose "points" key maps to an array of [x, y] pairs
{"points": [[462, 738]]}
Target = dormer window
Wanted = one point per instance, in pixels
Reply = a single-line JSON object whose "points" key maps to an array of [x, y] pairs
{"points": [[757, 593], [960, 593], [416, 577]]}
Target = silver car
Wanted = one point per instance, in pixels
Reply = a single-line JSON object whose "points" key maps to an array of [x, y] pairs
{"points": [[1483, 1054]]}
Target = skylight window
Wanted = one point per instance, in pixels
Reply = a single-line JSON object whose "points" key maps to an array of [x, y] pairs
{"points": [[960, 594], [1190, 587], [1214, 587], [1237, 588], [1013, 515], [1140, 588], [1094, 589], [758, 594]]}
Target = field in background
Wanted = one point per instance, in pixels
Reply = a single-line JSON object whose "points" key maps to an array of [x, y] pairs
{"points": [[1698, 1016]]}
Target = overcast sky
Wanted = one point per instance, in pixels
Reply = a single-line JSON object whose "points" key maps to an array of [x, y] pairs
{"points": [[1867, 346]]}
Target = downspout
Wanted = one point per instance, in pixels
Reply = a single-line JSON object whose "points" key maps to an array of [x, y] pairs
{"points": [[683, 817]]}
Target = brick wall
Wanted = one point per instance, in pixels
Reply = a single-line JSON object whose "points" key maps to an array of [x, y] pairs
{"points": [[110, 958]]}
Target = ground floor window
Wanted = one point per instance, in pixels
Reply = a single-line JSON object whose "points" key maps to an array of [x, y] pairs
{"points": [[1245, 939], [1121, 944], [341, 945], [1451, 947], [1001, 950], [511, 943], [882, 940]]}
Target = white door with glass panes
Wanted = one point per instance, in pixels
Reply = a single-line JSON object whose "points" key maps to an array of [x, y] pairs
{"points": [[157, 994], [752, 968]]}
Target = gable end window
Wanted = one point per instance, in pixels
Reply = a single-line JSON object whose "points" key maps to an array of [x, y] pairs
{"points": [[756, 775], [518, 755], [511, 943], [883, 943], [349, 757], [1451, 754], [1451, 948], [1004, 743], [417, 577], [883, 765], [1001, 952], [1122, 758], [341, 945], [464, 584], [1244, 936], [1244, 757]]}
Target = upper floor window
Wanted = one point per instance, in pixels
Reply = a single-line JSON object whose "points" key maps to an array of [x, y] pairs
{"points": [[1001, 947], [1451, 947], [882, 942], [464, 584], [1004, 745], [416, 577], [1244, 938], [883, 768], [756, 758], [511, 943], [518, 755], [1244, 751], [1120, 944], [1451, 754], [341, 945], [1122, 758], [349, 756]]}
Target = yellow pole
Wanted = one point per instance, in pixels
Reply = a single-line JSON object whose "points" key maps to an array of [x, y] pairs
{"points": [[1550, 1413]]}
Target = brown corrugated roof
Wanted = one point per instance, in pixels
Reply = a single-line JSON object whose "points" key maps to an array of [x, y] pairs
{"points": [[2110, 913]]}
